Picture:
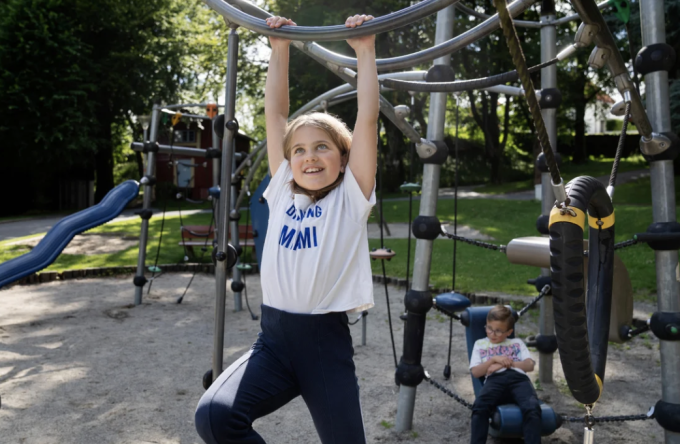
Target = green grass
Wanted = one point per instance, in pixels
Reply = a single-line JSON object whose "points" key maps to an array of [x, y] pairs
{"points": [[595, 167], [171, 251], [601, 167], [486, 270], [509, 187], [638, 192], [478, 270], [386, 424]]}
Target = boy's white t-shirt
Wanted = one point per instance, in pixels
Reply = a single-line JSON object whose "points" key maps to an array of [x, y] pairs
{"points": [[514, 349], [315, 257]]}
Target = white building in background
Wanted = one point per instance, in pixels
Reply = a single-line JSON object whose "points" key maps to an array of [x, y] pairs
{"points": [[600, 120]]}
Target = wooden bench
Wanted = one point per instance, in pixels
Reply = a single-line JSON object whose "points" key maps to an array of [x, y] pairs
{"points": [[196, 236]]}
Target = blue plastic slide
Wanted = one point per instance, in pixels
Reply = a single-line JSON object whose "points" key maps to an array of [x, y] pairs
{"points": [[63, 232]]}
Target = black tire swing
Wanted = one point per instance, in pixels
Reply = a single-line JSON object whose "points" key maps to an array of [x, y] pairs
{"points": [[582, 323], [582, 332]]}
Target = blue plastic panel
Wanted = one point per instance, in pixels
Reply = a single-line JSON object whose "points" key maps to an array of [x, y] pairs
{"points": [[54, 242], [259, 214], [452, 302]]}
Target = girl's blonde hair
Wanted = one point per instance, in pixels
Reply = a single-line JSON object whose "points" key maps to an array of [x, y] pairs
{"points": [[339, 134]]}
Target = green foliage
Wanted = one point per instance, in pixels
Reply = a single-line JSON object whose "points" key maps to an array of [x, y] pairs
{"points": [[72, 73]]}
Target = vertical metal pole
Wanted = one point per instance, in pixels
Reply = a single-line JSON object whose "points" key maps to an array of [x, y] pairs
{"points": [[144, 232], [548, 80], [233, 226], [225, 179], [428, 207], [652, 20]]}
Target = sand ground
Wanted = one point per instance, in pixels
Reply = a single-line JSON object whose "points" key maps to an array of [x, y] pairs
{"points": [[79, 364]]}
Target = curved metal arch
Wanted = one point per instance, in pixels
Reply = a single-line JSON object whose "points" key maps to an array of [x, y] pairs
{"points": [[462, 85], [395, 20], [526, 23], [427, 55], [402, 62]]}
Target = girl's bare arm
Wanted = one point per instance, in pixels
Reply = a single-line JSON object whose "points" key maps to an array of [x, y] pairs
{"points": [[276, 103], [364, 151]]}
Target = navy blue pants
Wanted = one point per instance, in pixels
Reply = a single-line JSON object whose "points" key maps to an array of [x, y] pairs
{"points": [[295, 354], [507, 387]]}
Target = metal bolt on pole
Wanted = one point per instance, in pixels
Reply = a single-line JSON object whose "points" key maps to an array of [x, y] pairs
{"points": [[548, 80], [652, 20], [233, 226], [215, 165], [148, 187], [222, 216], [428, 207]]}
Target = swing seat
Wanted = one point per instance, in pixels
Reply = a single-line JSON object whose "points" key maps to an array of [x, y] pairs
{"points": [[382, 253], [451, 302], [506, 421], [410, 187]]}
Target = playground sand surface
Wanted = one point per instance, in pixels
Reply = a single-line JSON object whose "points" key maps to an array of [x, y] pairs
{"points": [[78, 364]]}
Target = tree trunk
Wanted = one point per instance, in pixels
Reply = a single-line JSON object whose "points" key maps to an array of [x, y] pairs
{"points": [[103, 157], [580, 151]]}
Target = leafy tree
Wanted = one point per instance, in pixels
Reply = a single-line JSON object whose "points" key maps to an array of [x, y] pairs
{"points": [[72, 73]]}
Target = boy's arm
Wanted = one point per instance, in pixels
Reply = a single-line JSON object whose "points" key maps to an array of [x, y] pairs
{"points": [[527, 365], [363, 157], [480, 370], [276, 104]]}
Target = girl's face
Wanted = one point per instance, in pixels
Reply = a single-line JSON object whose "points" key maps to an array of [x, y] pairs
{"points": [[315, 160]]}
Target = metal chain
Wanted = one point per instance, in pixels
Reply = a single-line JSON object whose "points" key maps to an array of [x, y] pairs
{"points": [[474, 242], [624, 244], [534, 301], [594, 419], [640, 417], [447, 391]]}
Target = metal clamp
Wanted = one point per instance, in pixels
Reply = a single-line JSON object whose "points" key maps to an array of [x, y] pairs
{"points": [[401, 111], [561, 198], [425, 148], [567, 52], [625, 85], [585, 35], [657, 144], [588, 432], [619, 108], [598, 58]]}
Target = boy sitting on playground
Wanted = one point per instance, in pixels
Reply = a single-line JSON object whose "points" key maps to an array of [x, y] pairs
{"points": [[504, 363]]}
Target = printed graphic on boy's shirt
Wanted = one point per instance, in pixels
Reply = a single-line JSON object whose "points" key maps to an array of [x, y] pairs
{"points": [[302, 237], [512, 351]]}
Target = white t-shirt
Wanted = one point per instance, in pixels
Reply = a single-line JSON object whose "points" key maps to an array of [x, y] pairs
{"points": [[514, 349], [315, 257]]}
